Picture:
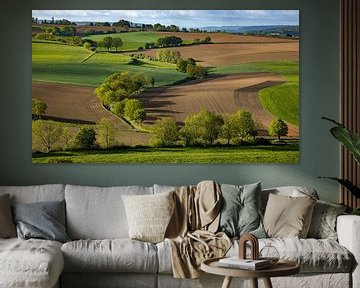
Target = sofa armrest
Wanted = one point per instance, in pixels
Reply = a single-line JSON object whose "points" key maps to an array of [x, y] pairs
{"points": [[348, 230]]}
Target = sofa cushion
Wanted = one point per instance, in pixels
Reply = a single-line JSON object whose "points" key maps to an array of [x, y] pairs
{"points": [[30, 263], [240, 210], [43, 220], [117, 255], [36, 193], [313, 255], [7, 226], [149, 215], [291, 191], [287, 216], [323, 222], [98, 213]]}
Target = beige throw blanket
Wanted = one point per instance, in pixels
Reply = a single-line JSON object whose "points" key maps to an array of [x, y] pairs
{"points": [[191, 231]]}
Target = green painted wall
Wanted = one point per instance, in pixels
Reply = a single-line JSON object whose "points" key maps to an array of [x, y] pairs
{"points": [[319, 97]]}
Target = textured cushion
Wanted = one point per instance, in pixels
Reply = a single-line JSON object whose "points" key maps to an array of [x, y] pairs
{"points": [[36, 193], [149, 215], [323, 222], [240, 210], [7, 227], [117, 255], [287, 216], [98, 213], [44, 220], [32, 263]]}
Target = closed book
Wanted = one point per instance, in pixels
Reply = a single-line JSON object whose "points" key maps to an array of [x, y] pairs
{"points": [[236, 262]]}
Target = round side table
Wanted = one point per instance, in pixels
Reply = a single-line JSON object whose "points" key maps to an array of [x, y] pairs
{"points": [[281, 268]]}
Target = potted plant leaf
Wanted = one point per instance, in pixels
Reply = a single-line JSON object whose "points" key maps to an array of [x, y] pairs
{"points": [[351, 141]]}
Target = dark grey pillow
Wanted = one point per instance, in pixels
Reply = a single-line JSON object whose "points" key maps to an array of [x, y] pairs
{"points": [[240, 213], [43, 220]]}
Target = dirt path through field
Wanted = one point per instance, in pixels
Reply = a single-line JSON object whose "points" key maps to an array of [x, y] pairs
{"points": [[220, 94], [77, 104]]}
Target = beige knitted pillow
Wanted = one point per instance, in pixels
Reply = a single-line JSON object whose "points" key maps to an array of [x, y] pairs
{"points": [[148, 215]]}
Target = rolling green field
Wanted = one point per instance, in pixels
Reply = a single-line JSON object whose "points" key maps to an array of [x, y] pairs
{"points": [[53, 62], [259, 154], [131, 40], [281, 100]]}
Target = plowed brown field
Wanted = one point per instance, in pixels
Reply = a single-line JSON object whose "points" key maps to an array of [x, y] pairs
{"points": [[77, 104], [220, 94], [229, 49]]}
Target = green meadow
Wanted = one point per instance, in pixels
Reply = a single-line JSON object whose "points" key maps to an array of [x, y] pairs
{"points": [[223, 154], [131, 40], [55, 62], [281, 100]]}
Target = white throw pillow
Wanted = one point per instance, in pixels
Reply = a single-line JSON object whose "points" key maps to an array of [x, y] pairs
{"points": [[149, 215]]}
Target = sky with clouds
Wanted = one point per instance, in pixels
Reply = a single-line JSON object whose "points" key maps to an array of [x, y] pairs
{"points": [[181, 18]]}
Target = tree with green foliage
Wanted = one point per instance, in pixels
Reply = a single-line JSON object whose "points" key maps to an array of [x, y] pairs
{"points": [[227, 129], [152, 82], [165, 132], [207, 40], [108, 42], [278, 128], [196, 71], [131, 106], [210, 126], [244, 124], [118, 108], [167, 55], [120, 86], [139, 115], [117, 43], [38, 107], [204, 126], [68, 137], [190, 132], [46, 133], [105, 133], [87, 45], [169, 41], [85, 138], [181, 65]]}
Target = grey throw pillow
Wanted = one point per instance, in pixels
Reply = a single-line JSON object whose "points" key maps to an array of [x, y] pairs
{"points": [[7, 226], [44, 220], [323, 222], [240, 213]]}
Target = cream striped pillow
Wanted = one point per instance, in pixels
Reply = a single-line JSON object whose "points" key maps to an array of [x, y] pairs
{"points": [[149, 215]]}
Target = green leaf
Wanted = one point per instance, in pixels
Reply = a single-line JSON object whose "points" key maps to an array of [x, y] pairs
{"points": [[347, 184], [348, 138]]}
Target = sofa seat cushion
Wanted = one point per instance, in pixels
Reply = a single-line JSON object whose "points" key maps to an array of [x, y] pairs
{"points": [[30, 263], [115, 255], [313, 255]]}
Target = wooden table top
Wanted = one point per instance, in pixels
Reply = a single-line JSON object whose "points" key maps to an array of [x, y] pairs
{"points": [[281, 268]]}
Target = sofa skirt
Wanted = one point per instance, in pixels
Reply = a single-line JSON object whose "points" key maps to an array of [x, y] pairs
{"points": [[108, 280]]}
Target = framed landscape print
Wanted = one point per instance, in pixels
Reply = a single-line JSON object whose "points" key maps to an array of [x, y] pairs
{"points": [[165, 86]]}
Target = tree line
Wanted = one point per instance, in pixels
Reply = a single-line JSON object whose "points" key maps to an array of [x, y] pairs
{"points": [[206, 127]]}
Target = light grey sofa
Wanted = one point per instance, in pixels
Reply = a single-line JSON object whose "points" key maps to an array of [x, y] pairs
{"points": [[101, 255]]}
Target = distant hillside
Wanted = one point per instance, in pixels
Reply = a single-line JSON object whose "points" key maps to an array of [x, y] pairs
{"points": [[280, 30]]}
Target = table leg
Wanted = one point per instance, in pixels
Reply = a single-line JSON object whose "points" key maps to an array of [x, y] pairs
{"points": [[267, 283], [227, 282], [254, 282]]}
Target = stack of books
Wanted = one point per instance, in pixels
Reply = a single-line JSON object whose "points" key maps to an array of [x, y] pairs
{"points": [[248, 264]]}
